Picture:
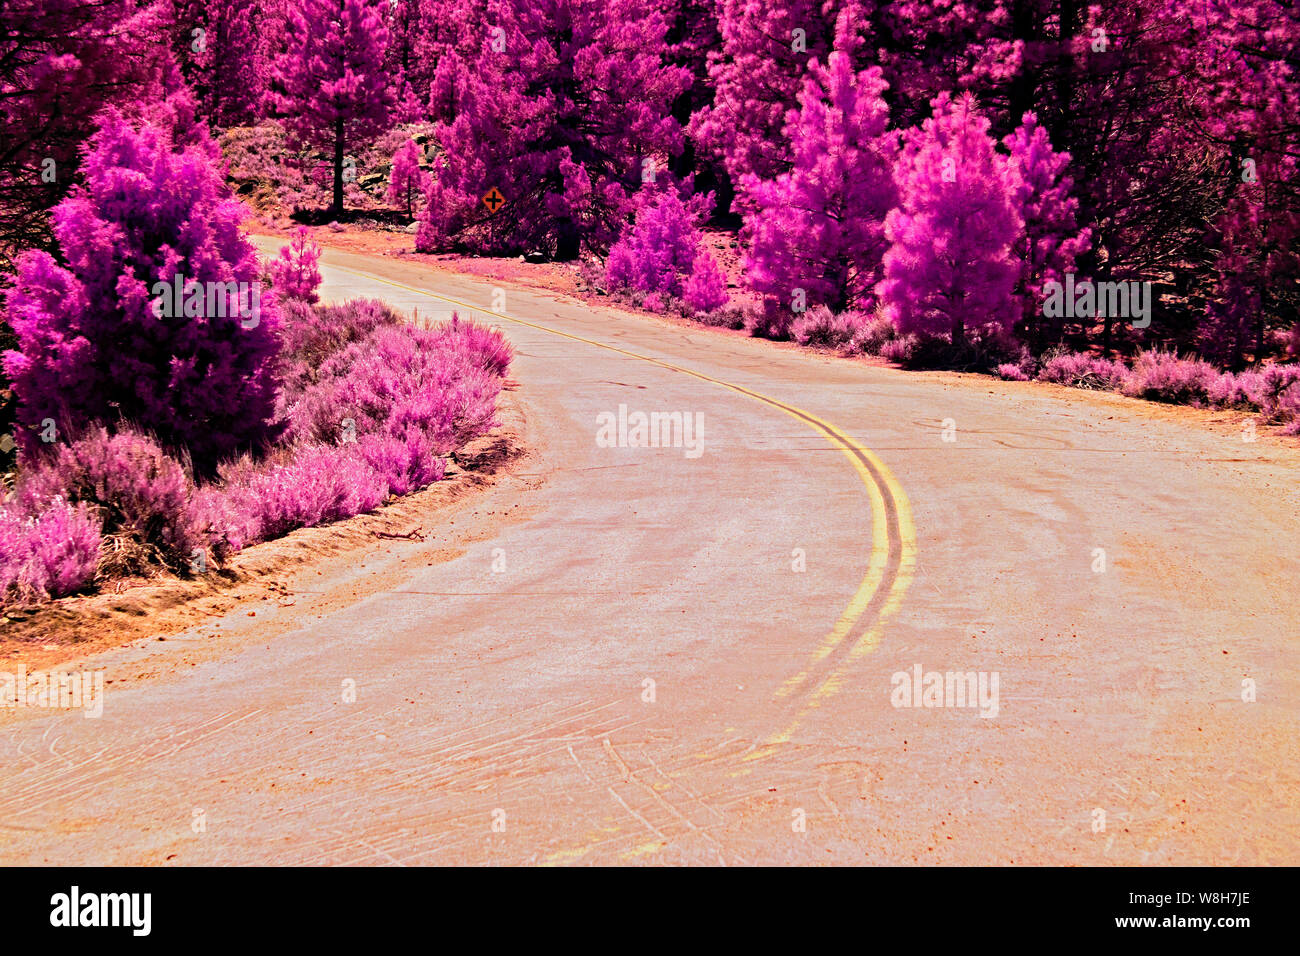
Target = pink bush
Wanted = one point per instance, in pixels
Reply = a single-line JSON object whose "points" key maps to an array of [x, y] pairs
{"points": [[323, 483], [1083, 371], [482, 346], [767, 319], [48, 555], [135, 489], [1164, 377], [406, 462], [1276, 392], [706, 287], [819, 326], [398, 376], [1012, 372], [93, 345], [872, 335], [295, 272], [660, 248]]}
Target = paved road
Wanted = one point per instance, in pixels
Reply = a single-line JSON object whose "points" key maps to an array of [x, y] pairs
{"points": [[691, 654]]}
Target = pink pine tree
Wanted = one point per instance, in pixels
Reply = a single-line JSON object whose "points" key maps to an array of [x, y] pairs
{"points": [[221, 57], [756, 78], [106, 338], [1040, 190], [295, 272], [61, 62], [706, 287], [819, 229], [332, 86], [949, 265], [407, 180], [565, 108], [659, 249]]}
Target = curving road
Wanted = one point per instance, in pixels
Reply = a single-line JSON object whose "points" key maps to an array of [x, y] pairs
{"points": [[690, 654]]}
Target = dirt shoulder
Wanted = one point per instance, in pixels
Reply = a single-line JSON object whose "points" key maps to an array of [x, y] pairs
{"points": [[262, 579]]}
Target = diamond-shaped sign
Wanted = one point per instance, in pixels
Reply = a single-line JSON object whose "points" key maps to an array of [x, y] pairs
{"points": [[6, 444], [494, 200]]}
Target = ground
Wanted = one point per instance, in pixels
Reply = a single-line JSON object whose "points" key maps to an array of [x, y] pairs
{"points": [[620, 654]]}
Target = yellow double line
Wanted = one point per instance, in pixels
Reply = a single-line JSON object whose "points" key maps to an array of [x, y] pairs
{"points": [[889, 571]]}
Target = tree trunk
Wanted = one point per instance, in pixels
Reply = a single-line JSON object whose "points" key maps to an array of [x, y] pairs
{"points": [[567, 244], [337, 208]]}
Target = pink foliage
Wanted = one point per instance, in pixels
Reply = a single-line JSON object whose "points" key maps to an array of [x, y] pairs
{"points": [[47, 555], [323, 483], [407, 180], [705, 289], [1012, 372], [295, 272], [817, 232], [819, 326], [1164, 377], [1040, 189], [332, 87], [950, 264], [133, 486], [92, 344], [659, 250], [1083, 371], [565, 108]]}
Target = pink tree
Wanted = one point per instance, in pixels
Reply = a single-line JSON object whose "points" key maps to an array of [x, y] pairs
{"points": [[332, 86], [295, 272], [756, 77], [819, 229], [663, 252], [949, 264], [1040, 190], [155, 319], [61, 62], [565, 109], [222, 57], [407, 179]]}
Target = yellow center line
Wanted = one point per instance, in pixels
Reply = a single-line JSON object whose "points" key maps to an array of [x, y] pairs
{"points": [[875, 476]]}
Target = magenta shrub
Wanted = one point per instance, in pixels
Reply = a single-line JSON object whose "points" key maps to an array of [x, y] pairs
{"points": [[872, 335], [47, 555], [706, 287], [480, 345], [768, 320], [659, 250], [323, 483], [92, 346], [1012, 372], [295, 272], [137, 491], [1276, 391], [820, 327], [1083, 371], [398, 376], [1164, 377]]}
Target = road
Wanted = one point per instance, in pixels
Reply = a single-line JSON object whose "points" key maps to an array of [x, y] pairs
{"points": [[689, 655]]}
